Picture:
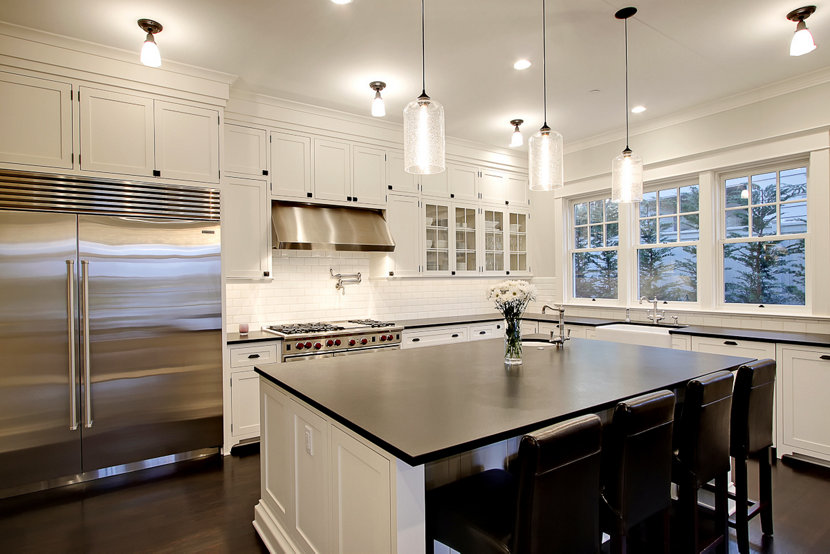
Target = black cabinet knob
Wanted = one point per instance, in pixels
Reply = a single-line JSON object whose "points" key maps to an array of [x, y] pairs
{"points": [[308, 194], [156, 173], [265, 172]]}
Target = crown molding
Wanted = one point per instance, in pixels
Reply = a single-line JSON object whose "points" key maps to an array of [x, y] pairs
{"points": [[745, 98]]}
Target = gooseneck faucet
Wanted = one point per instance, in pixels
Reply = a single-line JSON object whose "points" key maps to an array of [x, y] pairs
{"points": [[560, 340], [653, 316]]}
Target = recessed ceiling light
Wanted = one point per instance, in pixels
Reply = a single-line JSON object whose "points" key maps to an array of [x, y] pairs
{"points": [[594, 91], [342, 1], [521, 64], [638, 109]]}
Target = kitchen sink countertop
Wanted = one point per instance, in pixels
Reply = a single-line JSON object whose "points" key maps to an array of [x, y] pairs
{"points": [[495, 316]]}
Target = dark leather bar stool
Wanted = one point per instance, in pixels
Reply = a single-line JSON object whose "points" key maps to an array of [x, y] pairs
{"points": [[702, 454], [636, 466], [549, 505], [752, 438]]}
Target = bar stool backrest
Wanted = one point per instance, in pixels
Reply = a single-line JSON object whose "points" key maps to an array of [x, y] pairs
{"points": [[752, 408]]}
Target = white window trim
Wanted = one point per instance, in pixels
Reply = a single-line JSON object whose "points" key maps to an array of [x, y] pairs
{"points": [[568, 280]]}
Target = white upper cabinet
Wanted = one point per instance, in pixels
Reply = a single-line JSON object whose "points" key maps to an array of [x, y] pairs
{"points": [[492, 186], [368, 176], [403, 215], [37, 121], [332, 174], [462, 181], [187, 142], [246, 228], [397, 179], [246, 151], [517, 227], [136, 135], [436, 185], [290, 165], [517, 188], [116, 133]]}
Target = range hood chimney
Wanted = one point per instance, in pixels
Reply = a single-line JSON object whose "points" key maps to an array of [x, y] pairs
{"points": [[299, 226]]}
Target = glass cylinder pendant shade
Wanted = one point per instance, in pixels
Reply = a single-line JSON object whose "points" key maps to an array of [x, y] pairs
{"points": [[627, 178], [545, 160], [423, 136]]}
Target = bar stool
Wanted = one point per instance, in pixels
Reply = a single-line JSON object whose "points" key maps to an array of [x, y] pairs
{"points": [[702, 454], [751, 437], [550, 505], [636, 466]]}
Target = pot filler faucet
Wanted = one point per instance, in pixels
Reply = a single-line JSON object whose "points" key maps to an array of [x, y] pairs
{"points": [[653, 316], [560, 340]]}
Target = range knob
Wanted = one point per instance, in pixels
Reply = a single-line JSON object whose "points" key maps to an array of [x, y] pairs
{"points": [[337, 342], [364, 341], [390, 337], [308, 344], [318, 346], [383, 337], [351, 342], [329, 342], [299, 346]]}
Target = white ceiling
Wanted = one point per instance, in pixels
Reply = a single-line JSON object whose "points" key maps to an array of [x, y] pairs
{"points": [[682, 53]]}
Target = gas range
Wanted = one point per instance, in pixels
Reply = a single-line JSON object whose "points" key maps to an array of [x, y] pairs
{"points": [[326, 339]]}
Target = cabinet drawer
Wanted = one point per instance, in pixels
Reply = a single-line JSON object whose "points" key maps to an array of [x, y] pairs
{"points": [[247, 356], [733, 347], [433, 336], [482, 331]]}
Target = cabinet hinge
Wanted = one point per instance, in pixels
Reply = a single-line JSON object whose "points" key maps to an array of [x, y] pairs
{"points": [[270, 138], [71, 96], [79, 159], [73, 158], [231, 427], [218, 122], [79, 96], [384, 157]]}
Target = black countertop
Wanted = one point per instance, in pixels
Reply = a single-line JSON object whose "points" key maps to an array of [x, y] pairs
{"points": [[424, 404], [251, 336], [784, 337]]}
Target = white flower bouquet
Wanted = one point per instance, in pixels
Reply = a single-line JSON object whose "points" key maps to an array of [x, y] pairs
{"points": [[511, 299]]}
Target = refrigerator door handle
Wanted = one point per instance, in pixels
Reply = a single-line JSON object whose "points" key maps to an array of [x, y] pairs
{"points": [[70, 326], [85, 349]]}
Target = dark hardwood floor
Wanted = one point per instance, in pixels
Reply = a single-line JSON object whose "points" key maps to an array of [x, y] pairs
{"points": [[207, 506]]}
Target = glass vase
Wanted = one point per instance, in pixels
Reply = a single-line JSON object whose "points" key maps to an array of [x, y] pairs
{"points": [[513, 341]]}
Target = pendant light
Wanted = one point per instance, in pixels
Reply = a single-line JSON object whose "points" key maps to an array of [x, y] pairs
{"points": [[545, 147], [802, 42], [516, 138], [423, 127], [150, 54], [627, 168], [378, 108]]}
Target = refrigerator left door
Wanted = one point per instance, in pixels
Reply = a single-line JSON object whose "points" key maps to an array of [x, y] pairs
{"points": [[39, 402]]}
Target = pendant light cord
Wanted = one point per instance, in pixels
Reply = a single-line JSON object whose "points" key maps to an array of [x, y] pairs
{"points": [[626, 85], [423, 55], [544, 64]]}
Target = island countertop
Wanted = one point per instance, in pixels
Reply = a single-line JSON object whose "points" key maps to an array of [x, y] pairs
{"points": [[424, 404]]}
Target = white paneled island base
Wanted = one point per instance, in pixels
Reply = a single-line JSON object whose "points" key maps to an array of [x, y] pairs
{"points": [[326, 489]]}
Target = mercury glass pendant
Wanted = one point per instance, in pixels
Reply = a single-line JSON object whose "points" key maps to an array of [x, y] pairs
{"points": [[627, 168], [545, 148], [424, 143]]}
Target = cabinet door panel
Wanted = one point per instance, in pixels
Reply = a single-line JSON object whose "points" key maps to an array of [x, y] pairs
{"points": [[730, 347], [517, 188], [397, 177], [276, 485], [462, 181], [37, 121], [246, 150], [116, 133], [403, 216], [805, 378], [187, 142], [311, 484], [368, 176], [332, 177], [290, 165], [493, 186], [435, 185], [245, 403], [246, 229]]}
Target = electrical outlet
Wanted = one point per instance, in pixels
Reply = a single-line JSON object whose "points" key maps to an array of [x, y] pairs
{"points": [[309, 440]]}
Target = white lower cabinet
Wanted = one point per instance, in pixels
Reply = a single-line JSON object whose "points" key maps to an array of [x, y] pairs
{"points": [[681, 342], [322, 490], [433, 336], [246, 228], [484, 331], [576, 331], [803, 379], [242, 414], [529, 327]]}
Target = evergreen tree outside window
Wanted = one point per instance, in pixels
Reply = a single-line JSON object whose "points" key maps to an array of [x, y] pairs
{"points": [[595, 242], [765, 231], [669, 230]]}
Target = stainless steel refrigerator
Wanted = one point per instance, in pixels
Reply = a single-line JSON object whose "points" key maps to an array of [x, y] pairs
{"points": [[110, 328]]}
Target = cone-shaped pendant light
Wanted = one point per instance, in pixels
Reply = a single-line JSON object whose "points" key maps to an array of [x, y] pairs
{"points": [[545, 147], [423, 127], [627, 168]]}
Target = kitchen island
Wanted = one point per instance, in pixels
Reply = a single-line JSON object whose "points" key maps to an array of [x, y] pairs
{"points": [[346, 440]]}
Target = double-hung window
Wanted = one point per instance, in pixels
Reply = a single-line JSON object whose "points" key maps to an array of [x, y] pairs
{"points": [[595, 245], [764, 238], [669, 229]]}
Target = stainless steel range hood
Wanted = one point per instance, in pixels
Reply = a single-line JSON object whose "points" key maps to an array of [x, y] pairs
{"points": [[314, 227]]}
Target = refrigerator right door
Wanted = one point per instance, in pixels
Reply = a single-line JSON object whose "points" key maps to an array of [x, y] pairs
{"points": [[39, 405], [150, 295]]}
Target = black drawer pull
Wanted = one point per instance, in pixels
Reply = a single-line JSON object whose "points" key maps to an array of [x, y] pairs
{"points": [[825, 357], [455, 335], [498, 326], [253, 356], [730, 343], [482, 332], [416, 340]]}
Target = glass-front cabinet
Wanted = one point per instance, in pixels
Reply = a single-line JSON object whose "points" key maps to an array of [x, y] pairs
{"points": [[437, 238], [493, 241], [518, 242], [466, 240]]}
